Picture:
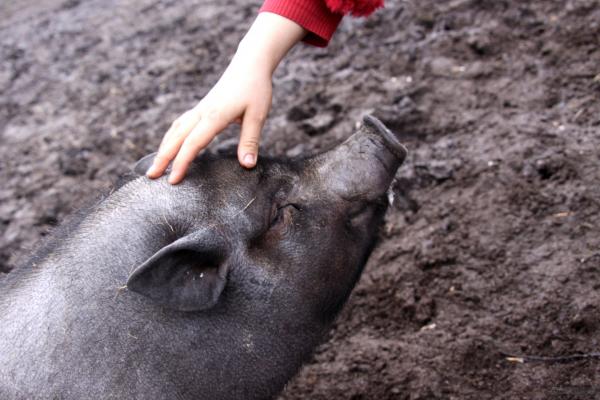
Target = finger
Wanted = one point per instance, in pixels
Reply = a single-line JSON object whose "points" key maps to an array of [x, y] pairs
{"points": [[252, 125], [171, 143], [197, 140]]}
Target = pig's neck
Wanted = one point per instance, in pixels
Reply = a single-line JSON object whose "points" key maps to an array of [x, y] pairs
{"points": [[97, 252], [70, 296], [110, 243]]}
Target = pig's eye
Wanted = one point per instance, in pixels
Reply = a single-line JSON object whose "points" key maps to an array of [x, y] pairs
{"points": [[282, 214]]}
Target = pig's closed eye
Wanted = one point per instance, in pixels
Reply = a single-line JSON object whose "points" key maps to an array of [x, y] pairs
{"points": [[282, 214], [280, 219]]}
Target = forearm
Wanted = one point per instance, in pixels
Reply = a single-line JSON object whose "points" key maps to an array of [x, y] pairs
{"points": [[267, 41]]}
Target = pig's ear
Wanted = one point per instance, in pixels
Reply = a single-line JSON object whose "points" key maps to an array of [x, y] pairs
{"points": [[143, 164], [181, 278]]}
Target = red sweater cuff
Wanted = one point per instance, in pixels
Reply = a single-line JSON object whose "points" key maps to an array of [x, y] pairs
{"points": [[314, 16]]}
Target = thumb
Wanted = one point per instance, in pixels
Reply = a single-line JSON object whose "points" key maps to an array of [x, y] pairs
{"points": [[249, 139]]}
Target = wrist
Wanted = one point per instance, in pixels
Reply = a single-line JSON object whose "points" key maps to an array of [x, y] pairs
{"points": [[250, 58], [267, 41]]}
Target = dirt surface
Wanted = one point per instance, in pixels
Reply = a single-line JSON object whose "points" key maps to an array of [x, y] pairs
{"points": [[492, 246]]}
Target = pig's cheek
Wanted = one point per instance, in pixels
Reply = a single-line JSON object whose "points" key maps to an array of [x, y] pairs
{"points": [[321, 222], [360, 220]]}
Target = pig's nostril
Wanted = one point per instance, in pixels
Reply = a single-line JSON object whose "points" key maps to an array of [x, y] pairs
{"points": [[390, 139]]}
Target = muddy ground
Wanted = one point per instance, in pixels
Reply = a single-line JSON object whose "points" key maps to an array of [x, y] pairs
{"points": [[493, 244]]}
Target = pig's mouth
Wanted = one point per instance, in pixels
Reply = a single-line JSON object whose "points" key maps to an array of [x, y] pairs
{"points": [[390, 139]]}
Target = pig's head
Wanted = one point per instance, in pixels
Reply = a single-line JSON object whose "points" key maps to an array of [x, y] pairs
{"points": [[286, 238]]}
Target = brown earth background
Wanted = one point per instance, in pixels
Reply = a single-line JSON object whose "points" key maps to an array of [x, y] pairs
{"points": [[492, 246]]}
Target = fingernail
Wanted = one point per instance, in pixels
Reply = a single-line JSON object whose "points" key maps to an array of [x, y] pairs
{"points": [[151, 171], [250, 159]]}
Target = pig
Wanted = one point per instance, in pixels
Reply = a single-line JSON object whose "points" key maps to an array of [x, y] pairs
{"points": [[217, 288]]}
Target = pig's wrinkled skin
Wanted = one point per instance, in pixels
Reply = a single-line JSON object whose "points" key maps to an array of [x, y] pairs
{"points": [[217, 288]]}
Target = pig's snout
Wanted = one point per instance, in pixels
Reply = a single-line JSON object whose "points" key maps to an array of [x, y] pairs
{"points": [[389, 139], [364, 165]]}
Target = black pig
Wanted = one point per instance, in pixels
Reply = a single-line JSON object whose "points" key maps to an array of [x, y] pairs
{"points": [[217, 288]]}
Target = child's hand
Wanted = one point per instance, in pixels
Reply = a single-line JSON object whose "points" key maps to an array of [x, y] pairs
{"points": [[242, 94]]}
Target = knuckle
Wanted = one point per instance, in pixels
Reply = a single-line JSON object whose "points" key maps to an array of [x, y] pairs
{"points": [[181, 119], [187, 114], [176, 124], [196, 138], [258, 118], [212, 114], [250, 143]]}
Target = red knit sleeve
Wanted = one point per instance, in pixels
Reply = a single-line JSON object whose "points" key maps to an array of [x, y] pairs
{"points": [[312, 15], [320, 17], [358, 8]]}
